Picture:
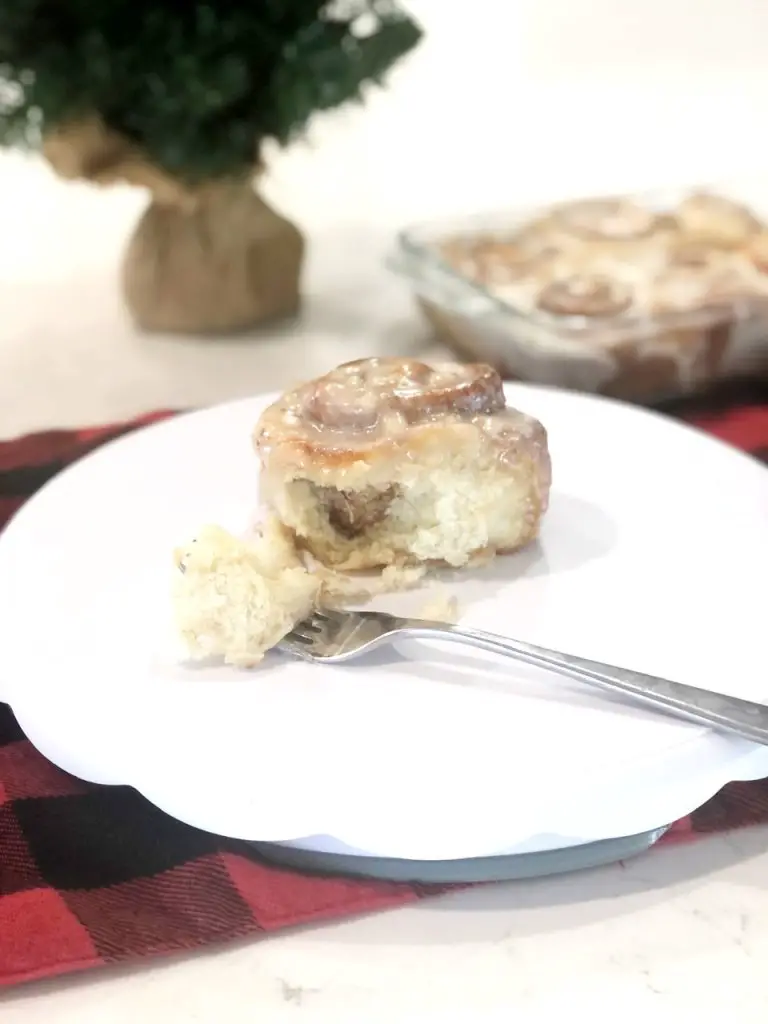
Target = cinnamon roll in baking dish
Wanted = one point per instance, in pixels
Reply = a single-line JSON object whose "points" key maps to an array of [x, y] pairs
{"points": [[392, 462]]}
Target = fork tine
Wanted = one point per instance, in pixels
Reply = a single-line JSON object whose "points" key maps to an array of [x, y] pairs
{"points": [[319, 615], [308, 627], [334, 635], [296, 650], [299, 638]]}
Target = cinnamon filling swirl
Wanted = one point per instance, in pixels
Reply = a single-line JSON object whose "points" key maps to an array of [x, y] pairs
{"points": [[351, 513]]}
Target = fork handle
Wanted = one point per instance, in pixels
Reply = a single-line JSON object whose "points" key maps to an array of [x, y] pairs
{"points": [[717, 710]]}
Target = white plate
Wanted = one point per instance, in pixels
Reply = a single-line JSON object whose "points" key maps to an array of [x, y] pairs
{"points": [[653, 555]]}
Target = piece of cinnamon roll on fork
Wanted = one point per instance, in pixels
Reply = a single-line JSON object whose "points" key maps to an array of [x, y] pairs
{"points": [[392, 462]]}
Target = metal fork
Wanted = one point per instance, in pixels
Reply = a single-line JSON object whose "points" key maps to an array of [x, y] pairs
{"points": [[337, 636]]}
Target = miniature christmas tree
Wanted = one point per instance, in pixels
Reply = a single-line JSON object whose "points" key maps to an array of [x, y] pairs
{"points": [[180, 97]]}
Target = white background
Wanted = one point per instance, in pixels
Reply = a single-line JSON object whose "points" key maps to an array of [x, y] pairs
{"points": [[506, 101]]}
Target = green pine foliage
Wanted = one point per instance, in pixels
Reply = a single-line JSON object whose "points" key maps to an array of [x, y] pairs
{"points": [[197, 85]]}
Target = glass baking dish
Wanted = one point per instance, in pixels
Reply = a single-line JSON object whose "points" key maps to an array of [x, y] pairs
{"points": [[645, 297]]}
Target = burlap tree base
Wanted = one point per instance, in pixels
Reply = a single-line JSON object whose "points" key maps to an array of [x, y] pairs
{"points": [[228, 264], [213, 260]]}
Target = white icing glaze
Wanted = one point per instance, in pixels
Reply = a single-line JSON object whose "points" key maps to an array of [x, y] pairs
{"points": [[377, 403]]}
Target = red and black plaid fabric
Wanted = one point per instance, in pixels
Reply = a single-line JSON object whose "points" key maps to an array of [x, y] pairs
{"points": [[93, 875]]}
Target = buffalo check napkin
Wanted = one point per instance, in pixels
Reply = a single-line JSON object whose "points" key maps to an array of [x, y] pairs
{"points": [[93, 875]]}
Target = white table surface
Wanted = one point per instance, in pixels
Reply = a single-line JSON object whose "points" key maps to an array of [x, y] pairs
{"points": [[521, 103]]}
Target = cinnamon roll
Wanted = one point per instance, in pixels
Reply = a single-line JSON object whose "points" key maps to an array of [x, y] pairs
{"points": [[592, 295], [608, 220], [719, 221], [497, 262], [392, 462]]}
